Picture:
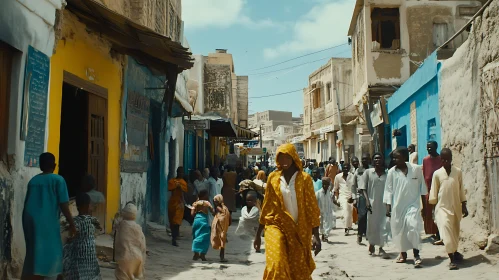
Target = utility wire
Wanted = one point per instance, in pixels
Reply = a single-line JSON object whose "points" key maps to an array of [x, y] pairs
{"points": [[288, 92], [291, 67], [282, 93], [282, 62]]}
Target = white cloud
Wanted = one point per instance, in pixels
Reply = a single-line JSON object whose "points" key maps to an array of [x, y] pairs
{"points": [[199, 14], [325, 25]]}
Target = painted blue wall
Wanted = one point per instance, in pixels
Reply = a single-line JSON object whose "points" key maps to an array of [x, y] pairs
{"points": [[421, 88], [137, 78]]}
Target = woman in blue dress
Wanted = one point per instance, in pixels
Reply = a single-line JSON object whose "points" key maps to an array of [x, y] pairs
{"points": [[201, 228], [46, 196]]}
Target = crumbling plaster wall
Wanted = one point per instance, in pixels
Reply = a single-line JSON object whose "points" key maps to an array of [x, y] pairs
{"points": [[462, 119], [22, 23], [359, 59]]}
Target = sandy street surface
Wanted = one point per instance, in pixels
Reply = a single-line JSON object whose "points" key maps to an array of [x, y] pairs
{"points": [[342, 258]]}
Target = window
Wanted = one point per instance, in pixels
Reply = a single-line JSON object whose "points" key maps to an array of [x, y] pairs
{"points": [[329, 92], [5, 69], [317, 98], [440, 34], [385, 28], [432, 130]]}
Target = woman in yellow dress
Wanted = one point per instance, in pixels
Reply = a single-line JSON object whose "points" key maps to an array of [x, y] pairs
{"points": [[290, 216]]}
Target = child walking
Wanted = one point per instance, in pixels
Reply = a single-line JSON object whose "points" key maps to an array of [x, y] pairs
{"points": [[250, 216], [80, 258], [201, 229], [130, 246], [325, 200], [220, 226]]}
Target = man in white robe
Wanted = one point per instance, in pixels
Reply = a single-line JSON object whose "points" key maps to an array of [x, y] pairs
{"points": [[325, 200], [342, 190], [403, 195], [374, 180], [447, 192]]}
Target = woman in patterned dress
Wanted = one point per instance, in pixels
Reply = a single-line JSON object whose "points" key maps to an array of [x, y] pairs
{"points": [[290, 216], [80, 258]]}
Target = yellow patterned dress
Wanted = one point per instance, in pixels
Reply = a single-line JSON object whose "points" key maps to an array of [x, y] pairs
{"points": [[288, 244]]}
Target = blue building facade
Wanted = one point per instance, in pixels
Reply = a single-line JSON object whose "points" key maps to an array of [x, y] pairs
{"points": [[414, 108]]}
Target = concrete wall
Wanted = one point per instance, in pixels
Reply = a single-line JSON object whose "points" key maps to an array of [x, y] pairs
{"points": [[196, 84], [463, 128], [242, 100], [22, 23]]}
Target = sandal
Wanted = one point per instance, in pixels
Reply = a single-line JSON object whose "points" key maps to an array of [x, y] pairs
{"points": [[417, 262], [401, 260], [371, 250], [438, 243], [453, 266]]}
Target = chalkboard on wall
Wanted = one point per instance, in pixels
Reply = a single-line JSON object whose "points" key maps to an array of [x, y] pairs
{"points": [[34, 111]]}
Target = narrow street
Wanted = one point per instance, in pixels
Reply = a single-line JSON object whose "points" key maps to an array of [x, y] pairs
{"points": [[340, 259]]}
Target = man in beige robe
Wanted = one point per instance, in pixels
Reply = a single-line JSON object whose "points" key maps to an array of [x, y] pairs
{"points": [[447, 192]]}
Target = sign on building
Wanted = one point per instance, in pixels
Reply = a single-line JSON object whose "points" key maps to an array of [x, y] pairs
{"points": [[34, 111], [197, 124]]}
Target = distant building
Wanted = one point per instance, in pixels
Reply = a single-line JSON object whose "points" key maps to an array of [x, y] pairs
{"points": [[390, 42], [329, 130]]}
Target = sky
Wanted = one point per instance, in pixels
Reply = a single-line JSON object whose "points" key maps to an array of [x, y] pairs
{"points": [[262, 33]]}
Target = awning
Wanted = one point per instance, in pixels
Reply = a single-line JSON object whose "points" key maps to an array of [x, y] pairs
{"points": [[244, 133], [220, 127], [143, 43]]}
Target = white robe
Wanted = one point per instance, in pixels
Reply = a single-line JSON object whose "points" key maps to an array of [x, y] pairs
{"points": [[403, 193], [248, 222], [377, 233], [447, 192], [328, 220], [345, 193]]}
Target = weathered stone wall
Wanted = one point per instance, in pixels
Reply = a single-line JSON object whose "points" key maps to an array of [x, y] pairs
{"points": [[162, 16], [462, 120], [217, 89], [242, 100]]}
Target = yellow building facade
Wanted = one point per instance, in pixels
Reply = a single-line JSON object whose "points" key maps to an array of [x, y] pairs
{"points": [[83, 66]]}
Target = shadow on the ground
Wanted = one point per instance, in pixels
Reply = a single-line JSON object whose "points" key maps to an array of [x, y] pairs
{"points": [[473, 261], [430, 262], [169, 261]]}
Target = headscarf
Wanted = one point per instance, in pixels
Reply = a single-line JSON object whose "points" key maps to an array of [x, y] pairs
{"points": [[129, 212], [289, 149], [219, 198], [261, 175]]}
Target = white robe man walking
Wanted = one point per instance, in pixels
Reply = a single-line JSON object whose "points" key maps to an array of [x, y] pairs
{"points": [[403, 193]]}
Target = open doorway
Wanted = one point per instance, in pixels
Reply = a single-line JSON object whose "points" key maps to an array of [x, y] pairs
{"points": [[82, 148], [73, 148]]}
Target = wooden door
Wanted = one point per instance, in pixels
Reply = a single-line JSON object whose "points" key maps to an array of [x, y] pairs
{"points": [[97, 152]]}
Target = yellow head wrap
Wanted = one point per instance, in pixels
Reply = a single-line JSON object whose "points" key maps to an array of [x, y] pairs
{"points": [[288, 149]]}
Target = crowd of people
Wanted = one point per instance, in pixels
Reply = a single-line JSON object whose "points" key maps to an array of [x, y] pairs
{"points": [[395, 203], [293, 207]]}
